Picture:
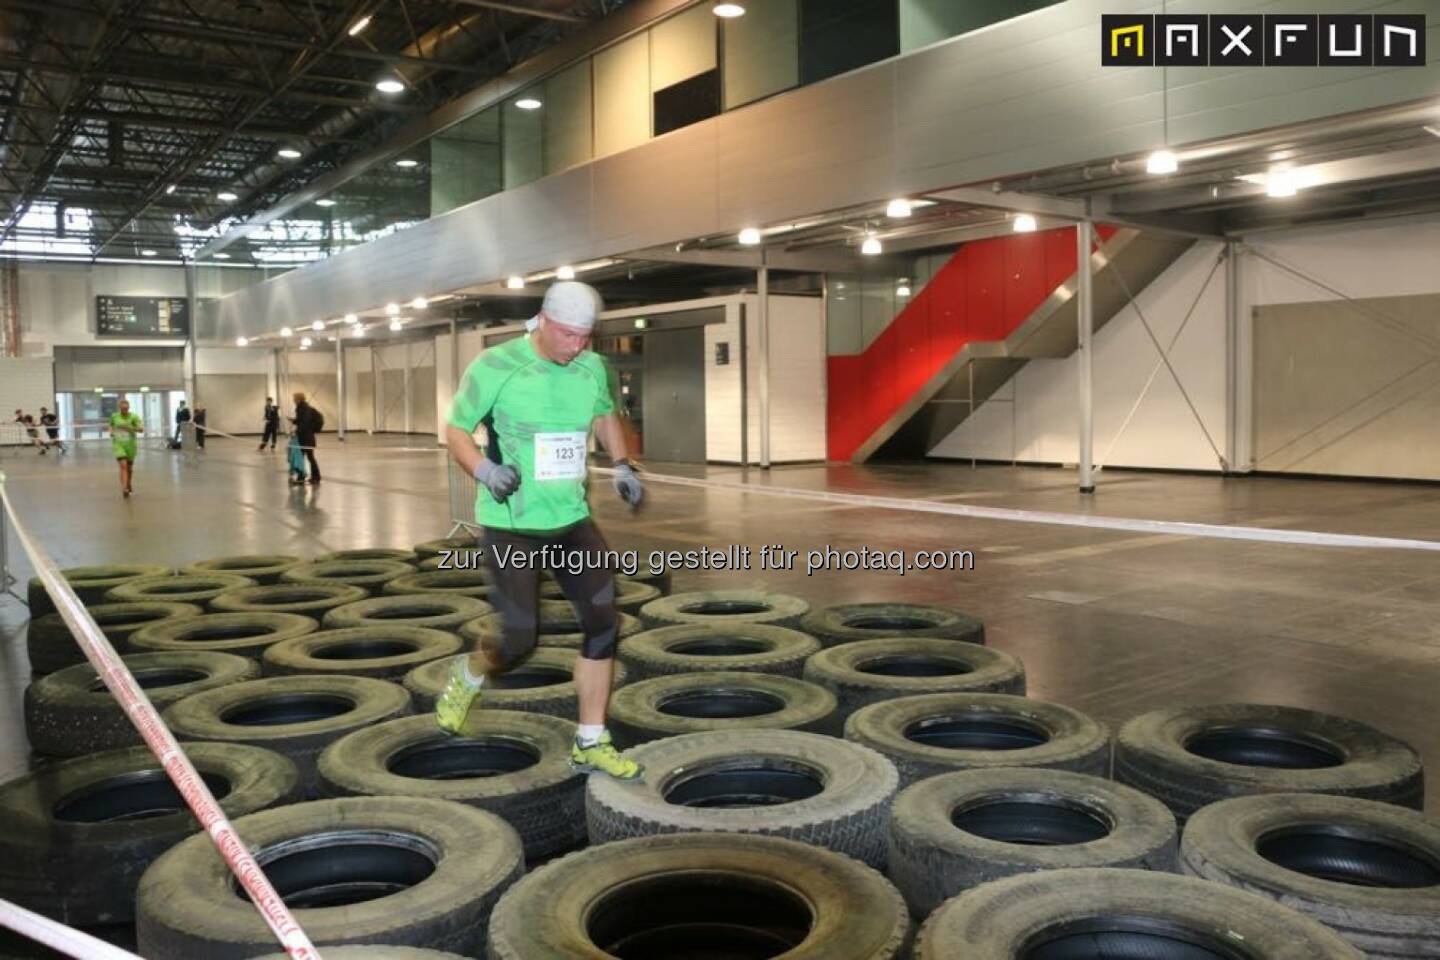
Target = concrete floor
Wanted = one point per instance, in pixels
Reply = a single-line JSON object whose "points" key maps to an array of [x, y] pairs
{"points": [[1111, 623]]}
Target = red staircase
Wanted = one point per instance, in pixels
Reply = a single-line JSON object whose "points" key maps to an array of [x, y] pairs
{"points": [[984, 292]]}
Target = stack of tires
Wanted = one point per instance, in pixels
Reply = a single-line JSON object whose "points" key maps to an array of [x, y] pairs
{"points": [[866, 780]]}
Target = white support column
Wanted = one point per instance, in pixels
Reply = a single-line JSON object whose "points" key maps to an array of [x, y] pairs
{"points": [[374, 393], [340, 385], [406, 386], [762, 337], [1085, 318], [279, 388], [191, 280]]}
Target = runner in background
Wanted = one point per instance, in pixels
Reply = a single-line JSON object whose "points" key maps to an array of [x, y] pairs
{"points": [[125, 427], [51, 423]]}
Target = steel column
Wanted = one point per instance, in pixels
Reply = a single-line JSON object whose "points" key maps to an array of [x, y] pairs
{"points": [[1085, 317], [762, 331], [340, 386]]}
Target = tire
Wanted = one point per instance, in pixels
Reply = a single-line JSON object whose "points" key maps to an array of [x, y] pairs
{"points": [[542, 683], [1370, 871], [52, 647], [868, 671], [725, 608], [701, 895], [781, 783], [660, 581], [460, 583], [370, 574], [307, 599], [243, 634], [67, 716], [848, 622], [630, 595], [179, 589], [1154, 753], [324, 709], [90, 583], [1098, 913], [434, 548], [956, 831], [436, 611], [518, 767], [387, 653], [718, 701], [187, 907], [700, 648], [76, 839], [369, 553], [558, 626], [966, 731], [263, 568], [376, 953]]}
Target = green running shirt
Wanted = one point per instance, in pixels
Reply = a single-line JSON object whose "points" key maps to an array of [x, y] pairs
{"points": [[124, 427], [541, 414]]}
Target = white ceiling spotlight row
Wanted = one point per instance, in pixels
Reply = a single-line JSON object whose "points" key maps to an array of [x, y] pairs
{"points": [[356, 325]]}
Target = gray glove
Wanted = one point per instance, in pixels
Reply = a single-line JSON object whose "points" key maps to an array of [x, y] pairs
{"points": [[627, 484], [500, 479]]}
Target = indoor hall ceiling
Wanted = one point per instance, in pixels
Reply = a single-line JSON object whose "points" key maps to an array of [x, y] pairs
{"points": [[123, 121]]}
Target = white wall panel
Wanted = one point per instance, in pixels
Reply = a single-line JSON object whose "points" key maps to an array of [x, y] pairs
{"points": [[26, 383]]}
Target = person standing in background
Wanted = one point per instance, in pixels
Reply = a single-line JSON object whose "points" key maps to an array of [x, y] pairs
{"points": [[307, 425], [125, 427], [272, 423], [51, 423], [182, 417], [200, 425]]}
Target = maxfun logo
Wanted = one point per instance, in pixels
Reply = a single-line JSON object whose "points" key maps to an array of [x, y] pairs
{"points": [[1255, 40]]}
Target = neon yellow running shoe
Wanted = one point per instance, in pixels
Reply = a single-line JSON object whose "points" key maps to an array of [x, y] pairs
{"points": [[602, 756], [455, 701]]}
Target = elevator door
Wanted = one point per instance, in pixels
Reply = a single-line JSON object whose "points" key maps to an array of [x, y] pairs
{"points": [[674, 395]]}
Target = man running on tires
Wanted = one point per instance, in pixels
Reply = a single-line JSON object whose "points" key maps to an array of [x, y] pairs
{"points": [[539, 397]]}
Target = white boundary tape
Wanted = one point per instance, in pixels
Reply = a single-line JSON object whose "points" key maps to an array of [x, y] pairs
{"points": [[1129, 524], [68, 940], [161, 741]]}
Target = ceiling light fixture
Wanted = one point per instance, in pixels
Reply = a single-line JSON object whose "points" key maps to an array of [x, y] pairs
{"points": [[359, 330], [324, 202], [898, 208], [1282, 183], [170, 189], [407, 163], [225, 196], [750, 236], [351, 318], [1161, 162], [903, 290], [305, 342], [871, 247], [222, 256], [515, 283], [419, 303], [318, 325], [358, 27], [241, 342], [288, 153], [728, 11], [147, 253], [390, 85], [1025, 223], [528, 103], [396, 325], [565, 273], [393, 309], [286, 332]]}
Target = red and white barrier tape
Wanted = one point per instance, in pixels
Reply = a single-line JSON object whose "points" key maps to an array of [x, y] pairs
{"points": [[68, 940], [162, 743]]}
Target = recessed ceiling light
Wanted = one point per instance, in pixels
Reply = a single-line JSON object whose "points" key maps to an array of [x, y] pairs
{"points": [[750, 236], [170, 189], [359, 330], [407, 163], [419, 303], [226, 196], [565, 273], [222, 256], [1025, 223], [1282, 183], [351, 318], [898, 208], [1161, 161], [515, 283], [318, 325], [359, 26], [390, 85], [903, 290], [393, 309], [288, 153], [305, 342], [147, 253], [728, 11], [396, 325], [871, 247], [324, 202], [286, 332], [528, 103], [241, 342]]}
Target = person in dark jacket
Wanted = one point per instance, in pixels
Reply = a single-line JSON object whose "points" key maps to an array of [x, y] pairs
{"points": [[200, 425], [51, 423], [272, 423], [182, 417], [306, 426]]}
